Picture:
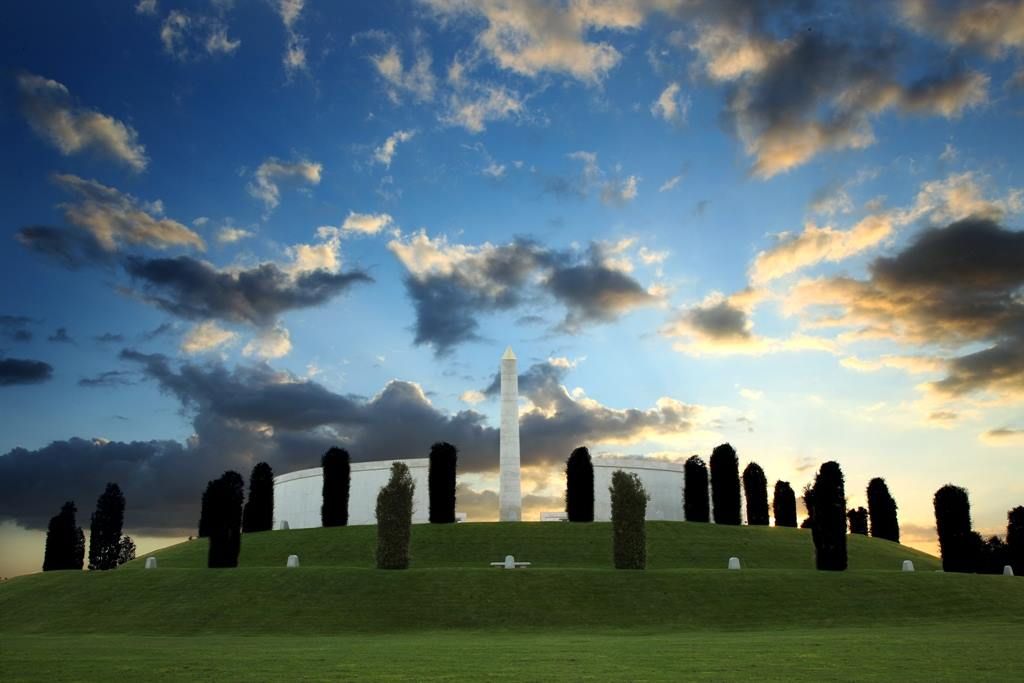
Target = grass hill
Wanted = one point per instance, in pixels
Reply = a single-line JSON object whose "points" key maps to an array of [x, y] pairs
{"points": [[570, 616]]}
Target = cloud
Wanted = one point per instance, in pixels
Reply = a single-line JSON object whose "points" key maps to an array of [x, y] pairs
{"points": [[230, 234], [15, 327], [619, 192], [417, 80], [23, 371], [670, 106], [145, 7], [112, 218], [1003, 436], [452, 284], [273, 171], [193, 36], [670, 183], [273, 342], [61, 336], [109, 378], [612, 189], [206, 336], [52, 114], [367, 223], [913, 364], [930, 294], [386, 152], [992, 26], [294, 58], [472, 397], [729, 52], [474, 108]]}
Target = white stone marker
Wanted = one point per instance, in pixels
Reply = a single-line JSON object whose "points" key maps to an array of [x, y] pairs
{"points": [[510, 563], [734, 563], [283, 525], [908, 566], [1007, 570], [293, 561], [510, 496], [150, 563]]}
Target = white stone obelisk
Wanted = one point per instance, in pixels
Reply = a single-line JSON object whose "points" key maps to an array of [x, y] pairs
{"points": [[510, 496]]}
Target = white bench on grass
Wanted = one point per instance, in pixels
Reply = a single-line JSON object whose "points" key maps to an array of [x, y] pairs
{"points": [[510, 563]]}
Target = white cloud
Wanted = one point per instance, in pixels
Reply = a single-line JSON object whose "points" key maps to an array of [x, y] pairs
{"points": [[494, 170], [488, 103], [619, 191], [417, 80], [265, 185], [145, 7], [294, 58], [230, 234], [386, 152], [206, 336], [218, 42], [274, 342], [670, 106], [670, 183], [367, 223], [472, 397], [323, 255], [651, 257], [50, 111], [751, 394], [187, 36]]}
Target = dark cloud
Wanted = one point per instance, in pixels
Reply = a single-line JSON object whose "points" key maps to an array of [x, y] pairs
{"points": [[158, 331], [15, 327], [69, 248], [61, 336], [719, 321], [999, 367], [109, 378], [110, 337], [195, 290], [594, 292], [23, 371]]}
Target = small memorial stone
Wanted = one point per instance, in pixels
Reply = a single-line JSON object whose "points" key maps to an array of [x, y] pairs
{"points": [[150, 563], [1007, 570], [908, 566], [283, 525], [293, 560], [734, 563]]}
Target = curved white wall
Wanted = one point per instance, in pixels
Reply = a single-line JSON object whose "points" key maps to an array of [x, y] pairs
{"points": [[298, 495], [662, 480]]}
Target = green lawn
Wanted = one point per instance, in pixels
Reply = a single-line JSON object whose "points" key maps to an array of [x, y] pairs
{"points": [[569, 617]]}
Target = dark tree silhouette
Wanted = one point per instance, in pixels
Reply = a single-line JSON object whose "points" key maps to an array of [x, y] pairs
{"points": [[125, 550], [629, 508], [755, 488], [858, 520], [204, 511], [394, 519], [725, 484], [808, 498], [829, 527], [65, 542], [992, 554], [258, 513], [226, 520], [953, 524], [696, 506], [337, 475], [784, 504], [579, 486], [882, 511], [105, 529], [1015, 539], [441, 483]]}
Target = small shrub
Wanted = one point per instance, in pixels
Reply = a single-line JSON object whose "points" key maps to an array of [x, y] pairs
{"points": [[858, 520], [394, 519], [629, 508], [784, 504]]}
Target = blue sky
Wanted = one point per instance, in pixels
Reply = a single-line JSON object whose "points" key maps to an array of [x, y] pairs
{"points": [[784, 226]]}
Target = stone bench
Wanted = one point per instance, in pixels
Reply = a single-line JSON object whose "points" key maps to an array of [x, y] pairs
{"points": [[510, 563]]}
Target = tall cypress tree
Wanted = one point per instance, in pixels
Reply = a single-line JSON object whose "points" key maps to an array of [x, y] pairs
{"points": [[882, 511], [808, 498], [1015, 539], [394, 518], [725, 484], [226, 520], [829, 528], [579, 486], [337, 474], [65, 542], [696, 506], [258, 514], [784, 504], [441, 482], [858, 521], [957, 544], [105, 529], [629, 510], [755, 488]]}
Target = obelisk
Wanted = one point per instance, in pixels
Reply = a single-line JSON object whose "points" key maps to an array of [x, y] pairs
{"points": [[510, 497]]}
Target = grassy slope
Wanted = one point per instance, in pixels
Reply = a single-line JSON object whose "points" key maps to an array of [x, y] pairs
{"points": [[670, 545]]}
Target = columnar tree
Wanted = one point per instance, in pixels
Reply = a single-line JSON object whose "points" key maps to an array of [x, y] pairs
{"points": [[441, 483], [808, 499], [65, 542], [225, 520], [755, 488], [858, 520], [953, 524], [105, 529], [784, 504], [1015, 539], [882, 511], [125, 550], [394, 519], [579, 486], [696, 506], [829, 527], [725, 484], [258, 513], [629, 508], [337, 473]]}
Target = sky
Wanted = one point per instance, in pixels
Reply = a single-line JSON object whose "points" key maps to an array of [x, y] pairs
{"points": [[247, 231]]}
